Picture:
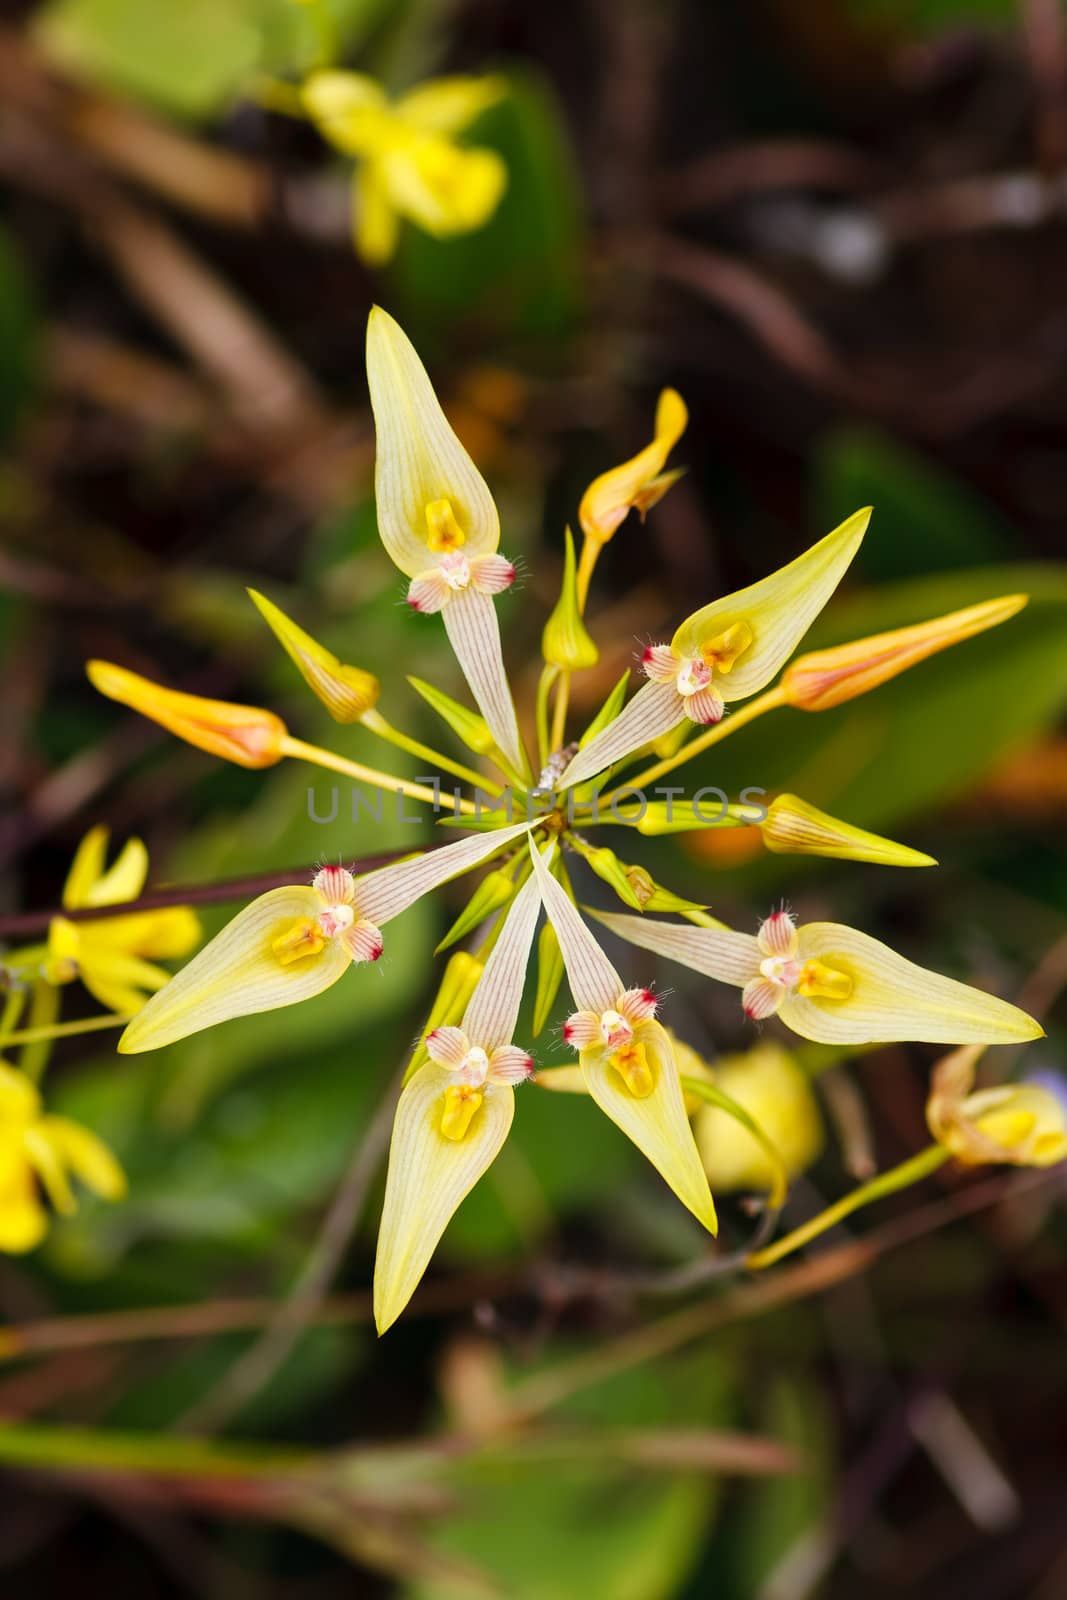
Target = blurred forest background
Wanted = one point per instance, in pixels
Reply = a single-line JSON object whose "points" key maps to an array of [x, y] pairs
{"points": [[839, 227]]}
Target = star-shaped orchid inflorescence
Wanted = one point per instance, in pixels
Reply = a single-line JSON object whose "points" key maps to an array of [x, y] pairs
{"points": [[825, 981]]}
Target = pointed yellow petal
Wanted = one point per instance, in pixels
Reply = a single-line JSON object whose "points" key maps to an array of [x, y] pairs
{"points": [[448, 105], [610, 497], [656, 1121], [444, 189], [792, 827], [170, 931], [23, 1219], [429, 1175], [778, 611], [248, 735], [717, 952], [826, 678], [238, 973], [124, 879], [346, 692], [47, 1163], [892, 998], [348, 108], [87, 1157], [420, 461], [375, 224], [474, 634], [468, 726], [86, 868]]}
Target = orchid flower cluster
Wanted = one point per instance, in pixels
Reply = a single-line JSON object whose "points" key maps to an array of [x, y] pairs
{"points": [[823, 981]]}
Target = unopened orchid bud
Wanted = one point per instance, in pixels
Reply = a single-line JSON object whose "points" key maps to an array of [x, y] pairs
{"points": [[549, 976], [565, 641], [466, 725], [494, 891], [639, 483], [793, 827], [826, 678], [346, 692], [247, 735]]}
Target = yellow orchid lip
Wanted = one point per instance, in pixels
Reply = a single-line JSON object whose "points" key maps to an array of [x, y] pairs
{"points": [[247, 735]]}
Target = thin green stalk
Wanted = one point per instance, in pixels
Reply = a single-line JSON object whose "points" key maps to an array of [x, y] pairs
{"points": [[721, 730], [724, 1102], [378, 780], [385, 730], [559, 712], [16, 999], [37, 1049], [66, 1030], [87, 1450], [910, 1171], [548, 677]]}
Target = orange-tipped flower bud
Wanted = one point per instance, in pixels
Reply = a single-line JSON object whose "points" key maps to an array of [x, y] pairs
{"points": [[248, 735], [826, 678]]}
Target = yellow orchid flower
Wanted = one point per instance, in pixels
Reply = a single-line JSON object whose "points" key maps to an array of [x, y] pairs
{"points": [[640, 482], [826, 678], [1022, 1124], [454, 1115], [439, 523], [40, 1151], [294, 942], [727, 650], [832, 983], [114, 956], [348, 693], [626, 1055], [409, 162], [767, 1083], [248, 735]]}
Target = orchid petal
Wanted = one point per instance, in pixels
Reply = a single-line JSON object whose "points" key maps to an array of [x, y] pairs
{"points": [[123, 880], [448, 105], [892, 998], [420, 460], [429, 1175], [448, 1046], [510, 1064], [610, 497], [761, 998], [346, 107], [594, 983], [442, 187], [87, 1157], [429, 592], [86, 869], [717, 952], [655, 709], [494, 1007], [474, 634], [170, 931], [657, 1123], [779, 610], [237, 973], [385, 893]]}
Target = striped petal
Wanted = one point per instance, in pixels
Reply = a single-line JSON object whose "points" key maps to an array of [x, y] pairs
{"points": [[594, 983], [494, 1007], [657, 1122], [892, 998], [474, 634], [716, 952], [779, 610], [429, 1175], [705, 707], [448, 1046], [761, 998], [510, 1064], [238, 973], [655, 709], [420, 461], [429, 592], [384, 894]]}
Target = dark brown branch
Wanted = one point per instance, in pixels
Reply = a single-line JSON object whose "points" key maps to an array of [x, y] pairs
{"points": [[190, 894]]}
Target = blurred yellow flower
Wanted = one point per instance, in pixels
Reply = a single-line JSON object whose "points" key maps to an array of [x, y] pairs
{"points": [[777, 1093], [38, 1152], [1024, 1124], [114, 956], [410, 164]]}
